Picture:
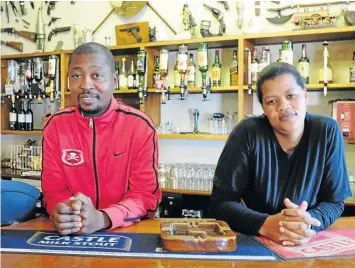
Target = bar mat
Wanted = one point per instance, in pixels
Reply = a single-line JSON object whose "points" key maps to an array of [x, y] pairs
{"points": [[126, 245], [326, 244]]}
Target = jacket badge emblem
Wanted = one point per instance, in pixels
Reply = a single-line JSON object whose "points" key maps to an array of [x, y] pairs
{"points": [[72, 157]]}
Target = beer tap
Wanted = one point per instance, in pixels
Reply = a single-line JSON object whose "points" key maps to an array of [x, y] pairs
{"points": [[40, 30], [141, 65], [249, 70], [196, 114], [325, 67], [182, 69]]}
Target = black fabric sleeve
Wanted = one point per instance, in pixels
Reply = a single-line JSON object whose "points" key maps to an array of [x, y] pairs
{"points": [[240, 218], [327, 213], [335, 187], [231, 180]]}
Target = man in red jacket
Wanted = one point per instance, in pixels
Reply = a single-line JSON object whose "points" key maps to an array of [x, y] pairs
{"points": [[100, 158]]}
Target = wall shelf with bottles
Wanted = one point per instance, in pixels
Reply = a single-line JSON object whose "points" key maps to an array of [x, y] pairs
{"points": [[187, 192], [21, 132], [191, 136], [319, 87]]}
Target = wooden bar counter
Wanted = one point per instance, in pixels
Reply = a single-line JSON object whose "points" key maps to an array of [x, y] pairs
{"points": [[152, 226]]}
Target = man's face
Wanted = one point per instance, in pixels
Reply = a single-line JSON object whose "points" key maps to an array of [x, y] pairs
{"points": [[284, 103], [91, 83]]}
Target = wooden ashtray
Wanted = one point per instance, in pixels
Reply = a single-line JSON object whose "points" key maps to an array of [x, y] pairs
{"points": [[197, 236]]}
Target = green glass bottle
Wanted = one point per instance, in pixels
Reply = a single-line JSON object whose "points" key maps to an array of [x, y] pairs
{"points": [[202, 60], [216, 70]]}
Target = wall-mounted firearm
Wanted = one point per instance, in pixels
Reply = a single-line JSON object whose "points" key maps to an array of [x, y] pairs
{"points": [[15, 45], [40, 31], [58, 30], [25, 34]]}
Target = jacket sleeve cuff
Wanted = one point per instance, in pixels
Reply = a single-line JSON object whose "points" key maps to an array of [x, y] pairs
{"points": [[116, 216]]}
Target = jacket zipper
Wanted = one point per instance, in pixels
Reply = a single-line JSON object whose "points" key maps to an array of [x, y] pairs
{"points": [[92, 125]]}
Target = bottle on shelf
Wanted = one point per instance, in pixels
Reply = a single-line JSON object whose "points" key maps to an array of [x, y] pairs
{"points": [[131, 76], [52, 64], [176, 73], [352, 70], [47, 115], [263, 61], [329, 68], [287, 52], [13, 116], [191, 71], [123, 76], [22, 117], [254, 67], [233, 69], [38, 76], [29, 117], [156, 74], [29, 77], [10, 87], [268, 55], [303, 65], [141, 68], [163, 70], [202, 62], [182, 69], [279, 59], [216, 70], [117, 72]]}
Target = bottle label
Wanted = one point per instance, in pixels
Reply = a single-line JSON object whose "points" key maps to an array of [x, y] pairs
{"points": [[191, 74], [123, 81], [352, 75], [254, 71], [202, 58], [216, 74], [9, 90], [13, 117], [329, 74], [234, 70], [28, 118], [51, 67], [21, 118], [176, 78], [163, 64], [287, 56], [303, 68], [182, 62], [130, 81]]}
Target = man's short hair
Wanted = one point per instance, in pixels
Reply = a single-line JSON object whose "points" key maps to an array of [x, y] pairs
{"points": [[94, 48], [274, 70]]}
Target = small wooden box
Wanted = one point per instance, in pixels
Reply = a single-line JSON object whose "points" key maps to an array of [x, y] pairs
{"points": [[197, 236], [126, 37]]}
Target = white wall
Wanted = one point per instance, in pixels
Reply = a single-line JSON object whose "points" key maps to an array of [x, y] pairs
{"points": [[90, 14]]}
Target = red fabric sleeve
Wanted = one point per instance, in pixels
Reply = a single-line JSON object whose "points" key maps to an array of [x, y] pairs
{"points": [[143, 194], [54, 186]]}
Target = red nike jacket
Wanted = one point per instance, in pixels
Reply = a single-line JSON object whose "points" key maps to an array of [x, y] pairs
{"points": [[112, 158]]}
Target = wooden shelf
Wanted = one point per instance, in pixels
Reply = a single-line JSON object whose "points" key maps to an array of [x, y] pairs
{"points": [[213, 42], [121, 91], [188, 192], [350, 141], [191, 136], [222, 89], [30, 55], [21, 132], [319, 87], [304, 36]]}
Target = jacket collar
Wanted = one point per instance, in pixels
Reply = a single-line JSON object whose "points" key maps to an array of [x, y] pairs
{"points": [[101, 121]]}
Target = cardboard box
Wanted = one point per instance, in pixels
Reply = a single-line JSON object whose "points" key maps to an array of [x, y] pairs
{"points": [[344, 113]]}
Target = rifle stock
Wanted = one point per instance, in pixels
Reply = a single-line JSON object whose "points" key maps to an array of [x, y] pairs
{"points": [[28, 35], [15, 45]]}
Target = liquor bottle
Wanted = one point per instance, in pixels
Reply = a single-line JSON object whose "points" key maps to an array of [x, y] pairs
{"points": [[216, 70], [176, 73], [263, 61], [233, 69], [13, 117], [29, 117], [48, 114], [123, 76], [329, 70], [163, 64], [182, 62], [29, 76], [141, 65], [22, 117], [38, 76], [268, 55], [352, 70], [191, 71], [287, 52], [254, 67], [131, 76], [279, 59], [303, 65], [52, 63], [117, 72], [156, 73]]}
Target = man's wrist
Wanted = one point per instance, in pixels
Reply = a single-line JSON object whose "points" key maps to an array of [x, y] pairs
{"points": [[105, 220]]}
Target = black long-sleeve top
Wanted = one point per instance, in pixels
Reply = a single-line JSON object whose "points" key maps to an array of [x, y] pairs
{"points": [[253, 167]]}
